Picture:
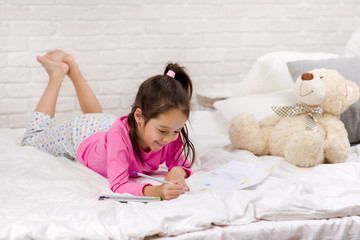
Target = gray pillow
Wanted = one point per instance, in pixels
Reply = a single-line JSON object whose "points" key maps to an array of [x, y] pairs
{"points": [[347, 67]]}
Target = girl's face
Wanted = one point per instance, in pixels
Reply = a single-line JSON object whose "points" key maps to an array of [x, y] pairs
{"points": [[159, 131]]}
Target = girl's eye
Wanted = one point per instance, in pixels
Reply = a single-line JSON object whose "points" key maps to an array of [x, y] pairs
{"points": [[162, 132]]}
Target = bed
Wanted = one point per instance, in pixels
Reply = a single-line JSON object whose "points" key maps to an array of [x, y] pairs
{"points": [[44, 197]]}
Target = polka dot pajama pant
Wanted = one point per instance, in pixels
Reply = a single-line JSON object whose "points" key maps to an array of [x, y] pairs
{"points": [[63, 139]]}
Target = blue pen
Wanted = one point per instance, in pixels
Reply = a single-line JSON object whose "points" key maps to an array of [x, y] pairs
{"points": [[155, 179]]}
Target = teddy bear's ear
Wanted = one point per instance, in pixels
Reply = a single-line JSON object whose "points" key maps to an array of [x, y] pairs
{"points": [[352, 94]]}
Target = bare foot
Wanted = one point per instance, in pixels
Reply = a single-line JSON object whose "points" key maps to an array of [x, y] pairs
{"points": [[54, 69], [69, 59], [56, 55], [59, 55], [73, 67]]}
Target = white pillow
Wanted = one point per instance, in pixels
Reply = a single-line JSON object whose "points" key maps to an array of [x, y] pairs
{"points": [[270, 72], [352, 48], [257, 104]]}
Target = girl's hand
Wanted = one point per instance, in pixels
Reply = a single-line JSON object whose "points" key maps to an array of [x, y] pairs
{"points": [[177, 174], [165, 191], [171, 191]]}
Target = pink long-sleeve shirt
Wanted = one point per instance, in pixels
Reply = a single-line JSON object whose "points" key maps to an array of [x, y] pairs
{"points": [[111, 154]]}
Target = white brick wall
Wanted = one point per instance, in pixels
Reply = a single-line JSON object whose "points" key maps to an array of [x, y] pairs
{"points": [[119, 43]]}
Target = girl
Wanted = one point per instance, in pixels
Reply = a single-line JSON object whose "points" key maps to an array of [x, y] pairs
{"points": [[154, 132]]}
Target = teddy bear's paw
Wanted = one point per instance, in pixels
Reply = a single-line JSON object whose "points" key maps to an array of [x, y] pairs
{"points": [[245, 133], [336, 149], [305, 149]]}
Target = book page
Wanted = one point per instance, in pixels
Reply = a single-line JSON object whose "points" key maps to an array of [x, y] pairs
{"points": [[233, 175]]}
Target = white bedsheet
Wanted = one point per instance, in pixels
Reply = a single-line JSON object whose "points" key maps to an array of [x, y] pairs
{"points": [[44, 197], [346, 228]]}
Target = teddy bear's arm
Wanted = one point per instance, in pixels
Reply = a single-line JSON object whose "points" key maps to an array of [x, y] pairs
{"points": [[336, 146], [246, 132], [270, 121]]}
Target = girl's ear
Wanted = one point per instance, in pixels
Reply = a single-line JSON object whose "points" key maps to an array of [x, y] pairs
{"points": [[139, 118]]}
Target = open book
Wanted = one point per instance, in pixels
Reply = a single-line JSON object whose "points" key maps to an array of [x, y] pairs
{"points": [[232, 175]]}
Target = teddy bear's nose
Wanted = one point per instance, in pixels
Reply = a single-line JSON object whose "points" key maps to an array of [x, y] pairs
{"points": [[307, 76]]}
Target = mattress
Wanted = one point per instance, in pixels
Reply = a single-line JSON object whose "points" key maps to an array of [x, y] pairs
{"points": [[44, 197]]}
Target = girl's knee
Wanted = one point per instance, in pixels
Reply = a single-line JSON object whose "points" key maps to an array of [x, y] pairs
{"points": [[27, 141]]}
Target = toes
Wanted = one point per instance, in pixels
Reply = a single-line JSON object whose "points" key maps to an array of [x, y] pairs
{"points": [[48, 54], [57, 55], [40, 59], [44, 60], [68, 58]]}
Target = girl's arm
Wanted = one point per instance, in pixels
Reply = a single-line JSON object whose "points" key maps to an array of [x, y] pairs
{"points": [[177, 174], [179, 166]]}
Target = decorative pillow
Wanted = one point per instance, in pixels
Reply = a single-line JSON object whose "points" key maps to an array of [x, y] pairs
{"points": [[350, 69], [270, 73]]}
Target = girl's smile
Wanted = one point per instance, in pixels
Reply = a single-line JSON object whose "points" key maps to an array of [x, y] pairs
{"points": [[160, 145]]}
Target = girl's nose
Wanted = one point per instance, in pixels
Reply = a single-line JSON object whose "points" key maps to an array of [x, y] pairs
{"points": [[166, 139], [169, 139]]}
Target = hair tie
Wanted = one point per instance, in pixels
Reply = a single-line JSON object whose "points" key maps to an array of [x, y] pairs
{"points": [[171, 73]]}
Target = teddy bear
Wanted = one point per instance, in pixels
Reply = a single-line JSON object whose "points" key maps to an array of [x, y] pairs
{"points": [[307, 133]]}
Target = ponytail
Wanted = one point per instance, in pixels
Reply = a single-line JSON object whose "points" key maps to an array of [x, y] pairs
{"points": [[181, 76]]}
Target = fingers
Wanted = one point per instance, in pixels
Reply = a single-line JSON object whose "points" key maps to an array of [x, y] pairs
{"points": [[182, 183], [187, 187], [172, 194], [171, 191], [175, 187]]}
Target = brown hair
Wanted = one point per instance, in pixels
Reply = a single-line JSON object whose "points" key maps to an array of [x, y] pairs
{"points": [[159, 94]]}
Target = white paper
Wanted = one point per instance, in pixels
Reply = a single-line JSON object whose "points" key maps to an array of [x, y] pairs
{"points": [[233, 175]]}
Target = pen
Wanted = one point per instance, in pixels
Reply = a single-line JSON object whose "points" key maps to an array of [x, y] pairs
{"points": [[131, 198], [155, 179]]}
